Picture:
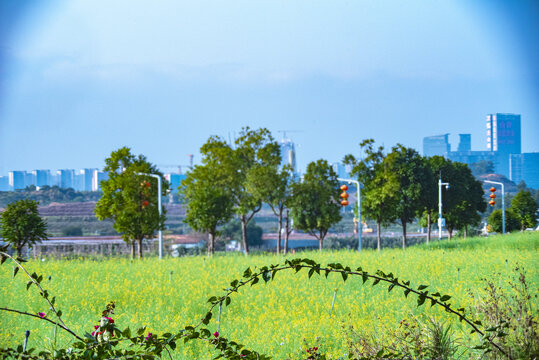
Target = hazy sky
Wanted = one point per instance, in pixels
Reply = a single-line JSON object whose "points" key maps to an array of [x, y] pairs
{"points": [[81, 78]]}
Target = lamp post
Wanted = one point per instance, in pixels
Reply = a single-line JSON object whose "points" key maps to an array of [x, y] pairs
{"points": [[440, 184], [160, 233], [503, 202], [360, 225]]}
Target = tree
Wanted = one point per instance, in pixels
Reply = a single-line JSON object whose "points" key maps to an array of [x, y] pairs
{"points": [[495, 220], [482, 167], [232, 231], [129, 199], [21, 225], [208, 206], [380, 185], [253, 149], [428, 202], [463, 200], [272, 186], [524, 207], [315, 203], [410, 171]]}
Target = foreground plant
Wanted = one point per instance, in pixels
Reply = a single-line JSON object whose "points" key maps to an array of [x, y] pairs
{"points": [[109, 342]]}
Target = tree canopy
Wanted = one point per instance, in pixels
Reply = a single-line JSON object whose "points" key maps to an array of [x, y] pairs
{"points": [[208, 206], [21, 225], [315, 201], [129, 199], [524, 207], [253, 151]]}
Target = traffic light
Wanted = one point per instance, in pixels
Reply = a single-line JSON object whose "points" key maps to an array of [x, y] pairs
{"points": [[344, 195], [492, 196]]}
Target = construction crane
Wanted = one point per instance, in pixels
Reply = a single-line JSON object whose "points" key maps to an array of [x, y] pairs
{"points": [[179, 166]]}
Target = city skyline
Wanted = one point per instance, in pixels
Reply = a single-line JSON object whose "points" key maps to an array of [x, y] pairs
{"points": [[76, 84]]}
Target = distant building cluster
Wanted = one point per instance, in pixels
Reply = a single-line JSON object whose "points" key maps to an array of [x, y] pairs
{"points": [[503, 149], [81, 180]]}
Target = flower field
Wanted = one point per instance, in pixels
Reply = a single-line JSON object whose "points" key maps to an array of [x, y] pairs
{"points": [[272, 318]]}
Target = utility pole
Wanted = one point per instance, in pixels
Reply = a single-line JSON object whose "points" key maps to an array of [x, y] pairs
{"points": [[440, 225]]}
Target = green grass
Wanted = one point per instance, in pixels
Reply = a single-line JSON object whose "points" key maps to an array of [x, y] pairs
{"points": [[273, 318]]}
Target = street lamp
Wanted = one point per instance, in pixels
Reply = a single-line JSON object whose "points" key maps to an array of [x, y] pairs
{"points": [[360, 225], [440, 225], [160, 233], [503, 202]]}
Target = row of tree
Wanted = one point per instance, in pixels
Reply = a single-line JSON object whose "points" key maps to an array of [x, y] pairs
{"points": [[399, 186], [235, 180]]}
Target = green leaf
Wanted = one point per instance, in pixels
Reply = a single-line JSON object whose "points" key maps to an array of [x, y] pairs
{"points": [[375, 282], [255, 280], [59, 313], [311, 272], [247, 273], [406, 292], [421, 300], [365, 277], [344, 276], [421, 287], [445, 298], [28, 284], [227, 301], [390, 287], [15, 271], [3, 259]]}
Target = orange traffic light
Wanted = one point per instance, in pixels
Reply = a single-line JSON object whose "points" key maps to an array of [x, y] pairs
{"points": [[344, 195], [492, 196]]}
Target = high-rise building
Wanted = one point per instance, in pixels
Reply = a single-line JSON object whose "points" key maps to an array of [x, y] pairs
{"points": [[174, 181], [86, 179], [465, 142], [66, 177], [525, 167], [17, 180], [4, 183], [97, 177], [43, 177], [503, 133], [436, 145], [503, 138], [288, 154]]}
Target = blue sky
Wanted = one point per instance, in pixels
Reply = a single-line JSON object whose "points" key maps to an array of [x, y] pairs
{"points": [[81, 78]]}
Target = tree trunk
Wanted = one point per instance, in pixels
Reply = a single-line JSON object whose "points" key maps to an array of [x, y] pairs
{"points": [[428, 226], [320, 242], [403, 233], [19, 251], [280, 231], [211, 244], [132, 243], [287, 232], [244, 234], [450, 232], [356, 225], [379, 235], [139, 253], [465, 231]]}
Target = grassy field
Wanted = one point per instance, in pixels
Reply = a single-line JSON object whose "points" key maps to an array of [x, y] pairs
{"points": [[274, 318]]}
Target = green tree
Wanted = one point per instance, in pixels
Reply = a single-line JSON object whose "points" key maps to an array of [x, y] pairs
{"points": [[21, 225], [428, 202], [410, 172], [273, 187], [524, 207], [252, 150], [315, 203], [232, 231], [379, 185], [208, 206], [495, 220], [129, 199], [463, 200]]}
